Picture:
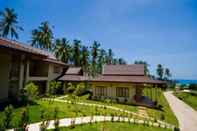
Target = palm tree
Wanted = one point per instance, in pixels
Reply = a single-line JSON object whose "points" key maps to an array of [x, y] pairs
{"points": [[85, 58], [101, 59], [121, 61], [94, 53], [160, 71], [167, 74], [9, 24], [42, 37], [76, 52], [63, 50], [110, 57]]}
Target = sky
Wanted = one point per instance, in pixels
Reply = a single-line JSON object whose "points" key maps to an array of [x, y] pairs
{"points": [[157, 31]]}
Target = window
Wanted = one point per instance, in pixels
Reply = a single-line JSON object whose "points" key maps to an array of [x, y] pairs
{"points": [[101, 91], [122, 92]]}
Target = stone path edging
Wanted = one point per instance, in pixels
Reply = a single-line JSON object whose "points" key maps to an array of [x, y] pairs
{"points": [[66, 122], [110, 107]]}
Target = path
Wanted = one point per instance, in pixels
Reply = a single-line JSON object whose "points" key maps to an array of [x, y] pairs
{"points": [[92, 119], [186, 116]]}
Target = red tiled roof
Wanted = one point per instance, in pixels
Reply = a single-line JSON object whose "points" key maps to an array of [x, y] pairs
{"points": [[126, 79], [119, 79], [11, 44], [135, 69]]}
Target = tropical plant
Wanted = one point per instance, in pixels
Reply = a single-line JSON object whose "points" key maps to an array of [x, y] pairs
{"points": [[110, 55], [31, 91], [24, 119], [81, 89], [8, 112], [76, 52], [160, 71], [101, 60], [56, 121], [85, 58], [42, 37], [53, 87], [94, 53], [167, 74], [63, 50], [9, 24]]}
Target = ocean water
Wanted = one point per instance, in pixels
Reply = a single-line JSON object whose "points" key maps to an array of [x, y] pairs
{"points": [[186, 81]]}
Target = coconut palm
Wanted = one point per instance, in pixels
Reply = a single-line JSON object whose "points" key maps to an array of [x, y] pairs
{"points": [[160, 71], [62, 50], [42, 37], [121, 61], [94, 53], [101, 59], [110, 57], [76, 52], [9, 24], [85, 58]]}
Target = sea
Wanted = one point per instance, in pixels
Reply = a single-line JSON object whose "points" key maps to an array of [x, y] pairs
{"points": [[183, 81]]}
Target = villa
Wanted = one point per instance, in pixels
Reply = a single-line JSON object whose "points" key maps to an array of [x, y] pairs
{"points": [[121, 83], [20, 63]]}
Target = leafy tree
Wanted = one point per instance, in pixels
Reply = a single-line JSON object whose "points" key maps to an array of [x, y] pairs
{"points": [[110, 55], [42, 37], [9, 24], [85, 58], [167, 74], [53, 87], [101, 59], [146, 65], [76, 52], [121, 61], [94, 53], [160, 71], [63, 50], [8, 112], [31, 91]]}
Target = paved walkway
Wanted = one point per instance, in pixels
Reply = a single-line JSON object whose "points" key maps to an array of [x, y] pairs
{"points": [[186, 116]]}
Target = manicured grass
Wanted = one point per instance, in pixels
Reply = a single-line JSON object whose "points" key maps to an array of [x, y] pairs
{"points": [[190, 99], [115, 126], [165, 109], [85, 99], [65, 110]]}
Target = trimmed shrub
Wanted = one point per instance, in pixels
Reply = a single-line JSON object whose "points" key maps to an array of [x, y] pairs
{"points": [[31, 91], [8, 112]]}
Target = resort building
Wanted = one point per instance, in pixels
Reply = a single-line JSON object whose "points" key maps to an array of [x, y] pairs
{"points": [[120, 83], [21, 63]]}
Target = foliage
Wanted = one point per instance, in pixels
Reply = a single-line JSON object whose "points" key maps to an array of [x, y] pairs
{"points": [[56, 121], [63, 50], [31, 91], [53, 87], [70, 88], [42, 37], [193, 86], [9, 24], [24, 119], [80, 90], [160, 71], [8, 112], [189, 98]]}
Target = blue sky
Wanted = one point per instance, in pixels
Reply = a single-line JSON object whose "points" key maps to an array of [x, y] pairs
{"points": [[157, 31]]}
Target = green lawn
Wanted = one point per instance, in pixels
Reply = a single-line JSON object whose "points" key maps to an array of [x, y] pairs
{"points": [[165, 110], [85, 99], [65, 110], [188, 98], [115, 126]]}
